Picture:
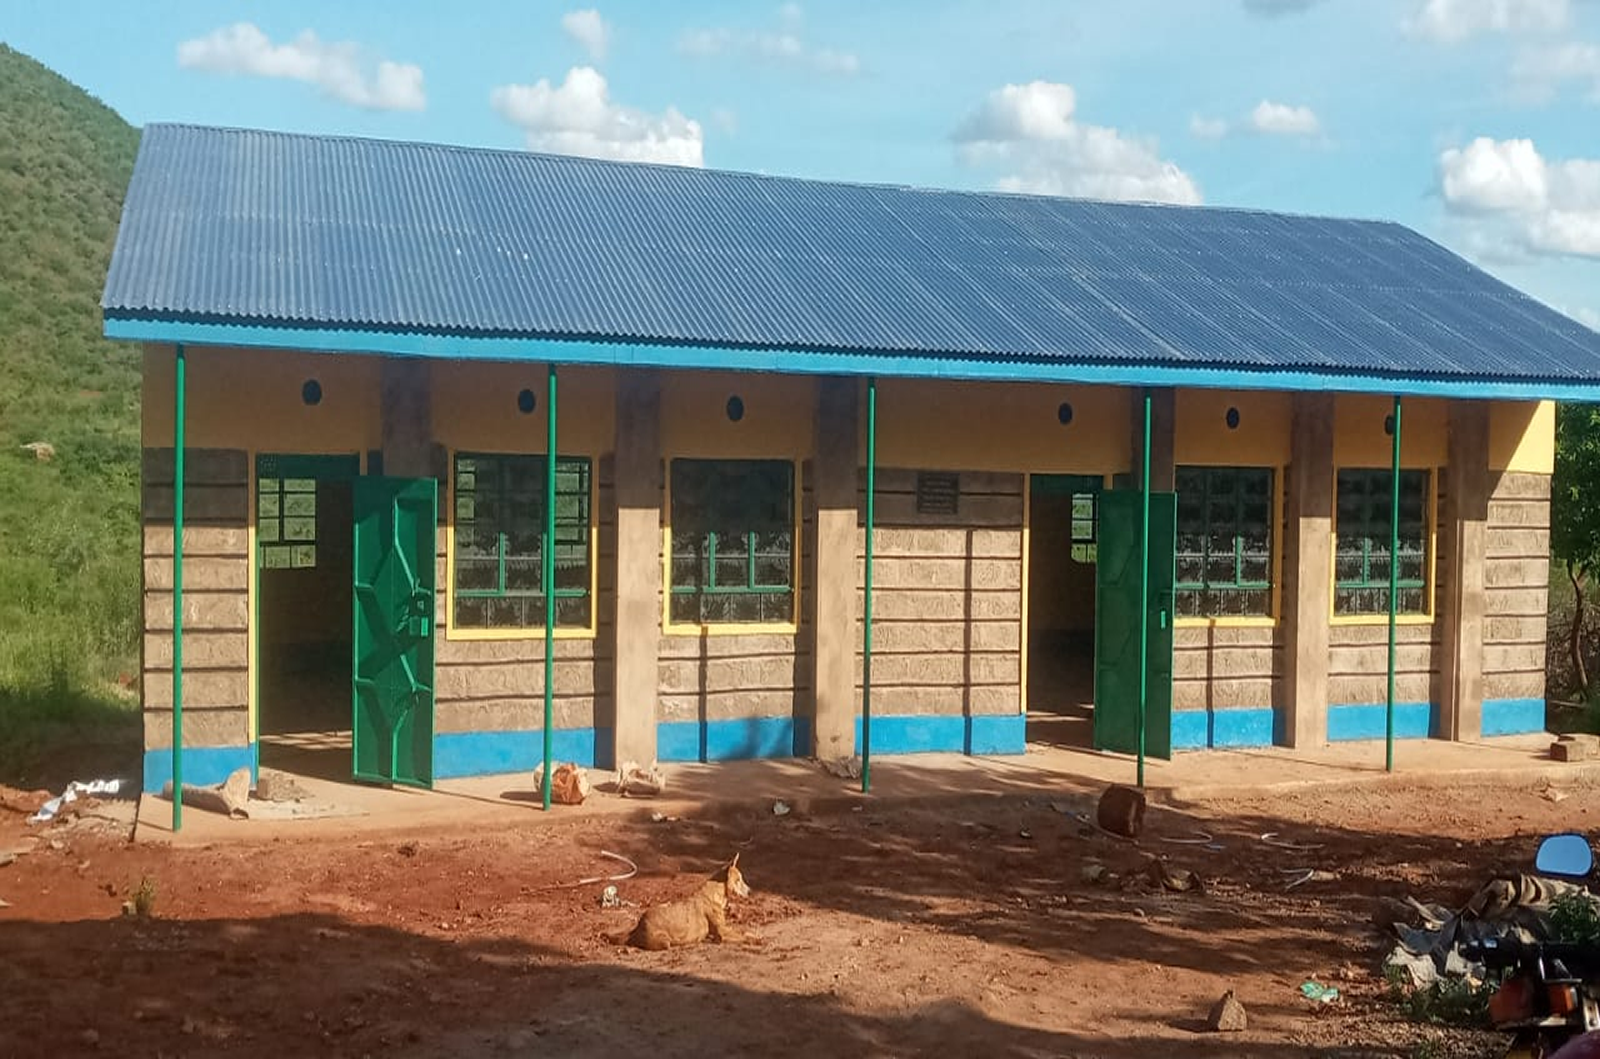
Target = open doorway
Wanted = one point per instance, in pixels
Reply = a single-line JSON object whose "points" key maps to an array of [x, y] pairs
{"points": [[304, 603], [1063, 549]]}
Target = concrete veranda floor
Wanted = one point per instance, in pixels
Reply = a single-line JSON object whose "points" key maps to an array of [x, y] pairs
{"points": [[1044, 772]]}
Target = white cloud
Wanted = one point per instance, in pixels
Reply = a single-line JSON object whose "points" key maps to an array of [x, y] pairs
{"points": [[590, 30], [1281, 119], [1518, 196], [1541, 72], [1267, 119], [1587, 317], [1032, 132], [1452, 21], [787, 44], [335, 68], [578, 117]]}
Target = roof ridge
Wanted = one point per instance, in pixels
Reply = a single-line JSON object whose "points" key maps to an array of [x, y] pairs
{"points": [[746, 174]]}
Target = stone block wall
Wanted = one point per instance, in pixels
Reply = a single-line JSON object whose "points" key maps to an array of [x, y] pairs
{"points": [[216, 613], [1516, 598], [947, 598]]}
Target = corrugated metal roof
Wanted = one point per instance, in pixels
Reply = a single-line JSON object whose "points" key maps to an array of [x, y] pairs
{"points": [[264, 228]]}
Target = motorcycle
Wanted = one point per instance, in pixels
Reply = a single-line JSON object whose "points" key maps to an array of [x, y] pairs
{"points": [[1550, 991]]}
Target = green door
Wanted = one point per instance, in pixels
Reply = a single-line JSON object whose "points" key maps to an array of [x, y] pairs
{"points": [[395, 519], [1118, 612]]}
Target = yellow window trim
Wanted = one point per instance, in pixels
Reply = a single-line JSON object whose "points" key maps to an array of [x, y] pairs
{"points": [[1430, 564], [570, 632], [1381, 619], [1235, 621], [728, 628]]}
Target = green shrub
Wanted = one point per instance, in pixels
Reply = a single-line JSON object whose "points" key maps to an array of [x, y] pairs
{"points": [[1575, 917], [1446, 1002]]}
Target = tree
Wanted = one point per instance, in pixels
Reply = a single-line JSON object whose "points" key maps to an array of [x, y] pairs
{"points": [[1575, 515]]}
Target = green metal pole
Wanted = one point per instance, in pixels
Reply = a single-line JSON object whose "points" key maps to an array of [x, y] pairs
{"points": [[1144, 583], [179, 385], [548, 554], [866, 625], [1394, 583]]}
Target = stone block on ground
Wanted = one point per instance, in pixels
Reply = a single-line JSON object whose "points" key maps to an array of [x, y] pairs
{"points": [[1121, 811], [1575, 748]]}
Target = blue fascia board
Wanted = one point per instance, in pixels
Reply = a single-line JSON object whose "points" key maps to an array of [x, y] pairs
{"points": [[814, 362]]}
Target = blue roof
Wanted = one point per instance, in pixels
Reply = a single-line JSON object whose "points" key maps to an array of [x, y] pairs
{"points": [[341, 243]]}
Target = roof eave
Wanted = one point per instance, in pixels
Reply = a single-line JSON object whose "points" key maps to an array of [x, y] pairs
{"points": [[145, 328]]}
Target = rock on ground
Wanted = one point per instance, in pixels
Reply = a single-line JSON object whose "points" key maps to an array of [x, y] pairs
{"points": [[1227, 1015]]}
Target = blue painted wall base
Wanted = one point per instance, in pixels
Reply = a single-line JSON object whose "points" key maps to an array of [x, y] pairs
{"points": [[734, 739], [1412, 720], [922, 734], [1512, 716], [1223, 728], [202, 765], [457, 754]]}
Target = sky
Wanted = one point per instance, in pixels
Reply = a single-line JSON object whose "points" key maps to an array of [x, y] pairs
{"points": [[1476, 122]]}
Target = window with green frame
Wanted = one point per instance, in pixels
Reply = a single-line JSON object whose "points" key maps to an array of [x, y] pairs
{"points": [[733, 546], [499, 536], [1362, 542], [286, 522], [1224, 561], [1085, 527]]}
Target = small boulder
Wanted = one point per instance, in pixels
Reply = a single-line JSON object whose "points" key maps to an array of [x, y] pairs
{"points": [[1227, 1015], [1121, 811], [1575, 748]]}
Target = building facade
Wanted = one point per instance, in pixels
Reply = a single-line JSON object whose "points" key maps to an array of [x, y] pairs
{"points": [[364, 513]]}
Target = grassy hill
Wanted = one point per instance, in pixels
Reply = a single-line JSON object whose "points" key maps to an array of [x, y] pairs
{"points": [[69, 555]]}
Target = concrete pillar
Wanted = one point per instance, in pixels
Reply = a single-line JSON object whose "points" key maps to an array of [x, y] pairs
{"points": [[1307, 572], [638, 626], [835, 469], [407, 416], [1163, 433], [1463, 536]]}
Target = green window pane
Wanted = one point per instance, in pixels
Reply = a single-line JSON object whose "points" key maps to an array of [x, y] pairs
{"points": [[299, 485], [1365, 514], [275, 557], [732, 541], [1224, 560], [499, 541], [300, 529], [267, 531], [303, 556], [268, 505], [300, 505]]}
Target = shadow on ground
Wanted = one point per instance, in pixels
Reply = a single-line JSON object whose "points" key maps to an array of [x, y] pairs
{"points": [[314, 984], [48, 739]]}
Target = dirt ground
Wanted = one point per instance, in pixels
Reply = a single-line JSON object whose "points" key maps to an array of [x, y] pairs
{"points": [[954, 927]]}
